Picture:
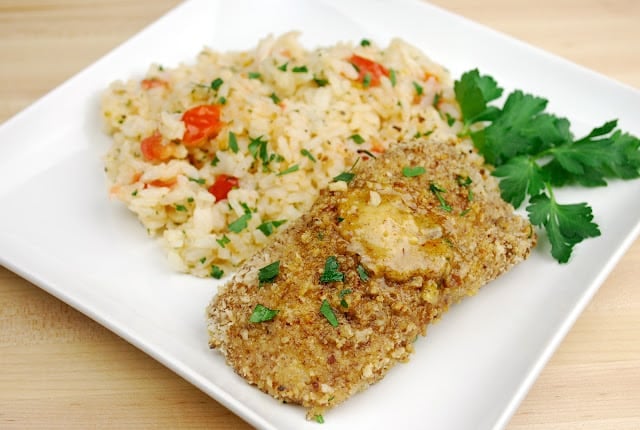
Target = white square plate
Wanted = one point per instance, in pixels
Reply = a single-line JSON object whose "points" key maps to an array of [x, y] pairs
{"points": [[60, 231]]}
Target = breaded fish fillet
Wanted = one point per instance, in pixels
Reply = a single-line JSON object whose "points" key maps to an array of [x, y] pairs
{"points": [[343, 292]]}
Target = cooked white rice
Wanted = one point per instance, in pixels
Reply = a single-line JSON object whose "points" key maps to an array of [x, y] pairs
{"points": [[296, 100]]}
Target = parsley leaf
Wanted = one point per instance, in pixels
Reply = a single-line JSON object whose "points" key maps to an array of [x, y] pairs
{"points": [[332, 271], [327, 312], [241, 222], [233, 142], [521, 177], [216, 272], [345, 177], [268, 227], [223, 241], [392, 77], [357, 138], [566, 225], [262, 313], [269, 272], [438, 191], [342, 293], [258, 148], [216, 83], [362, 273], [200, 181], [418, 88], [275, 98], [534, 150], [307, 154], [410, 172], [320, 82], [291, 169], [473, 93]]}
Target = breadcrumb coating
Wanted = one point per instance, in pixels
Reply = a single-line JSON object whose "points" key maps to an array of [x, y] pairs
{"points": [[416, 230]]}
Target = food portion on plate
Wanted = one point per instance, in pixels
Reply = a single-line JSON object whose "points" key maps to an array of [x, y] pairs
{"points": [[339, 297], [216, 156], [335, 180]]}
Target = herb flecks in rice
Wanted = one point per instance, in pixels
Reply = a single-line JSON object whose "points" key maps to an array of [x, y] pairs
{"points": [[290, 121]]}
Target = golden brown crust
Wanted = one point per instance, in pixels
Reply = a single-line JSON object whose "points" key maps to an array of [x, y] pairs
{"points": [[425, 242]]}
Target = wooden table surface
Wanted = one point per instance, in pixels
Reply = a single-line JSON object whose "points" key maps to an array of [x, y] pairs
{"points": [[59, 369]]}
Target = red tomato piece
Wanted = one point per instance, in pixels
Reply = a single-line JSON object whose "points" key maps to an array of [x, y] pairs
{"points": [[153, 149], [369, 68], [202, 123], [147, 84], [222, 185]]}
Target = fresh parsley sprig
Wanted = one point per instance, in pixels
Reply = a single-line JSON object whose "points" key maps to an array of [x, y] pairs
{"points": [[534, 151]]}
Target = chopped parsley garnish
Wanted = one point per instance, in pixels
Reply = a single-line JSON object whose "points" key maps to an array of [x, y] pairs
{"points": [[566, 225], [418, 87], [319, 418], [341, 295], [331, 271], [233, 142], [462, 181], [362, 273], [320, 82], [366, 80], [202, 260], [308, 154], [364, 151], [436, 100], [222, 100], [392, 77], [283, 67], [275, 98], [134, 193], [534, 151], [300, 69], [258, 148], [410, 172], [276, 157], [357, 139], [262, 313], [197, 180], [345, 177], [450, 120], [215, 161], [223, 241], [291, 169], [327, 312], [241, 223], [466, 183], [181, 208], [269, 272], [216, 272], [216, 83], [438, 191], [254, 75], [268, 227], [365, 42]]}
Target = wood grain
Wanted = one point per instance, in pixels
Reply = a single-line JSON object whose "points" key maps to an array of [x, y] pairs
{"points": [[59, 369]]}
